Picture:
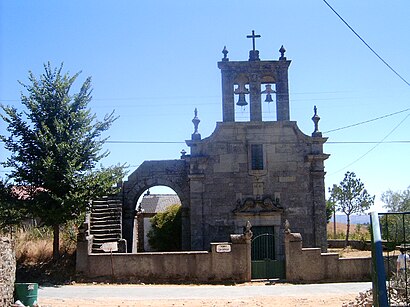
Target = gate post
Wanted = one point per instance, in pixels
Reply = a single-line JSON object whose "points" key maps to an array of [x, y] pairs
{"points": [[293, 247], [245, 240]]}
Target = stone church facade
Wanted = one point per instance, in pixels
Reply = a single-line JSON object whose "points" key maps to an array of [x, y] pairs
{"points": [[265, 172]]}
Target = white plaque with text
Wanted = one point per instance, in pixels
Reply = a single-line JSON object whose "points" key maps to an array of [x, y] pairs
{"points": [[223, 248]]}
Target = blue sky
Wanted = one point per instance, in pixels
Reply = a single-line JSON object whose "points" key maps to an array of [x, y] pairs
{"points": [[153, 62]]}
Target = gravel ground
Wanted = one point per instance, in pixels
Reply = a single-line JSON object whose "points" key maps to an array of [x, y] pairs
{"points": [[252, 294]]}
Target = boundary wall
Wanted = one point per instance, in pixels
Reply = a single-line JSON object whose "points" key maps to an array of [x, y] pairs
{"points": [[310, 265], [225, 262]]}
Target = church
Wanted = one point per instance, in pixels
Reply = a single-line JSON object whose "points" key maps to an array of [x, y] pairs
{"points": [[264, 172]]}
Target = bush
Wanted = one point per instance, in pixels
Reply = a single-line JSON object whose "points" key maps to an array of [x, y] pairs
{"points": [[165, 234]]}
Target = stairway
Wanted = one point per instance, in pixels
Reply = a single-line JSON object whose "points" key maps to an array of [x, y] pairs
{"points": [[105, 223]]}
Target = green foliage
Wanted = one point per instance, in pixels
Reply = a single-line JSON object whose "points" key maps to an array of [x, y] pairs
{"points": [[330, 208], [11, 208], [165, 234], [55, 144], [395, 228], [398, 201], [350, 197]]}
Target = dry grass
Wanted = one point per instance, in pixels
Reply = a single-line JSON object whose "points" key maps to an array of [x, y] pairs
{"points": [[31, 252], [357, 231], [34, 255]]}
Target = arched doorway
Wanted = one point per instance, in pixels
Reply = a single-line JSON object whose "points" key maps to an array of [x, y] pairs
{"points": [[155, 200], [169, 173]]}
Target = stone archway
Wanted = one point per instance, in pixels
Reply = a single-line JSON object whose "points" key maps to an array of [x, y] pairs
{"points": [[170, 173]]}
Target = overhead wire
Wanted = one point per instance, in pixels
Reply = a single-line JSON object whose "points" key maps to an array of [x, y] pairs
{"points": [[366, 44], [367, 121], [391, 68], [374, 147]]}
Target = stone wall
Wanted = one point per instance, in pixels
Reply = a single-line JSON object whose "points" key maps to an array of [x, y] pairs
{"points": [[7, 272], [310, 265], [225, 262]]}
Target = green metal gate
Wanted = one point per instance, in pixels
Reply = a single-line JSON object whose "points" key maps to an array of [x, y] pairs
{"points": [[264, 263]]}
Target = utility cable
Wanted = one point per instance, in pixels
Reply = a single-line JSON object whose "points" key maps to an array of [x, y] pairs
{"points": [[368, 121], [367, 45], [374, 147]]}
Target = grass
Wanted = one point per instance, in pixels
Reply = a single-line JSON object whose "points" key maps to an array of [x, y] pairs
{"points": [[34, 255], [357, 231]]}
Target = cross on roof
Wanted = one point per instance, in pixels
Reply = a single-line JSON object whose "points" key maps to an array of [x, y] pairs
{"points": [[253, 36]]}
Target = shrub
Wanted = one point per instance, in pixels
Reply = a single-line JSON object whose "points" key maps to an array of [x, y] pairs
{"points": [[165, 234]]}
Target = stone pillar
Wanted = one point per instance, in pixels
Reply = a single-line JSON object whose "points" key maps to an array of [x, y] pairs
{"points": [[186, 229], [228, 99], [139, 220], [319, 209], [317, 175], [84, 246], [255, 98], [282, 91], [128, 216], [196, 212], [7, 272], [293, 250]]}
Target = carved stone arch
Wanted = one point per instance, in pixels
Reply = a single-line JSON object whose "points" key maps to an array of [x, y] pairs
{"points": [[170, 173], [268, 79]]}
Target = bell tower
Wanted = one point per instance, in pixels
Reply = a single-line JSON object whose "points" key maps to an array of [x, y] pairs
{"points": [[242, 79]]}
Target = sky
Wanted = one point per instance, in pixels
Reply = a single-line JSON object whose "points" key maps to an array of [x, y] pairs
{"points": [[154, 62]]}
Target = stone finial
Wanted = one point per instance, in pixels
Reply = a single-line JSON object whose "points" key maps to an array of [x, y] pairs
{"points": [[316, 120], [183, 153], [225, 53], [287, 227], [248, 232], [282, 51], [196, 135]]}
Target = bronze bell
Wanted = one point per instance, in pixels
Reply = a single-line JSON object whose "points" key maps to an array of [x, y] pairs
{"points": [[268, 98], [241, 101]]}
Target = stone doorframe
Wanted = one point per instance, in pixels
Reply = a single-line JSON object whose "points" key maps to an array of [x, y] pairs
{"points": [[170, 173]]}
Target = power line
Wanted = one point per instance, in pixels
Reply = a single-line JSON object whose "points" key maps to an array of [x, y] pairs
{"points": [[368, 142], [144, 142], [374, 147], [368, 121], [367, 45]]}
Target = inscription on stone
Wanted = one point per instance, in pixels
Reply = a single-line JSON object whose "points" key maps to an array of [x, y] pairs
{"points": [[223, 248]]}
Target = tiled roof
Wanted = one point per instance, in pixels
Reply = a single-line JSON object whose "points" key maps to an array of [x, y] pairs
{"points": [[155, 203]]}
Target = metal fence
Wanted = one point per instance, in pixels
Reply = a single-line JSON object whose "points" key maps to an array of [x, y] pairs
{"points": [[391, 258]]}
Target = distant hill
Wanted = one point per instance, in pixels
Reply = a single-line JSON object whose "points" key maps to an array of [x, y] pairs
{"points": [[354, 219]]}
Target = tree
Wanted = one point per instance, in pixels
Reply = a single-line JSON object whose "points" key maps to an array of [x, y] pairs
{"points": [[398, 201], [165, 234], [351, 197], [11, 210], [55, 144], [331, 210]]}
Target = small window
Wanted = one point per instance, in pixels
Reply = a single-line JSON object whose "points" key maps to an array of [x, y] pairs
{"points": [[257, 157]]}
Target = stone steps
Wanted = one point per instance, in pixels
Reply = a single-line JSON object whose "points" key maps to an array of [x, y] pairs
{"points": [[105, 222]]}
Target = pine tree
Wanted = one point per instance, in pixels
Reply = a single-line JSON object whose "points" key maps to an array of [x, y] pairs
{"points": [[351, 197]]}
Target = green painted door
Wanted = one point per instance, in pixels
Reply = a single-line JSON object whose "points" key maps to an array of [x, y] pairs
{"points": [[264, 263]]}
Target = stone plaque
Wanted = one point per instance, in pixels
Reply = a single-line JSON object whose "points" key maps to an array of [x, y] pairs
{"points": [[109, 247], [223, 248]]}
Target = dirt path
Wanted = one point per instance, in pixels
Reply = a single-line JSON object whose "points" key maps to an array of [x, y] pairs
{"points": [[248, 295], [308, 301]]}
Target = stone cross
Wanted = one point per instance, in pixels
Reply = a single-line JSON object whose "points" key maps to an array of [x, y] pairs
{"points": [[253, 36]]}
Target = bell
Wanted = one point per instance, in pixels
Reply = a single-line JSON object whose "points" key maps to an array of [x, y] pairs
{"points": [[241, 101], [268, 98]]}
